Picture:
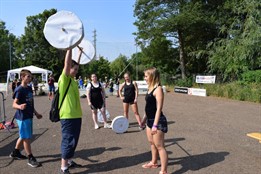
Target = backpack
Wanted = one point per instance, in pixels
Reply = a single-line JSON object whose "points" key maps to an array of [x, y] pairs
{"points": [[54, 115]]}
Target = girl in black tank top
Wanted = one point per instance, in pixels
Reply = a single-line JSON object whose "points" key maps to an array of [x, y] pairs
{"points": [[130, 90], [155, 120], [129, 93]]}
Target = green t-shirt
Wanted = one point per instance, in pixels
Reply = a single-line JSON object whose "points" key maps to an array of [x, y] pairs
{"points": [[71, 107]]}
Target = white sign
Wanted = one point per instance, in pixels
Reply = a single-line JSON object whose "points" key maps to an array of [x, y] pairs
{"points": [[206, 79], [197, 92]]}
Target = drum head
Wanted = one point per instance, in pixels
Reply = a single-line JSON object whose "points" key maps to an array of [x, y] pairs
{"points": [[120, 124], [63, 30], [87, 54], [100, 118]]}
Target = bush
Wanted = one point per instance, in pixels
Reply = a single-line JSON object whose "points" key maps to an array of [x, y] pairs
{"points": [[251, 77], [188, 82]]}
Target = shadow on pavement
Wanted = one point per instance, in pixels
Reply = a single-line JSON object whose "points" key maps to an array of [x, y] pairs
{"points": [[197, 162], [10, 145]]}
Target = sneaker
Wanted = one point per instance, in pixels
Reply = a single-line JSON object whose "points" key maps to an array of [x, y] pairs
{"points": [[17, 155], [96, 126], [73, 164], [33, 162], [107, 126], [64, 171]]}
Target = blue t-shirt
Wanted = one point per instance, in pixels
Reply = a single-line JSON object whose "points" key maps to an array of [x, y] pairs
{"points": [[24, 95]]}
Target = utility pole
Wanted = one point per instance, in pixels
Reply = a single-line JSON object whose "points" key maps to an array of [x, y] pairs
{"points": [[94, 43], [10, 54]]}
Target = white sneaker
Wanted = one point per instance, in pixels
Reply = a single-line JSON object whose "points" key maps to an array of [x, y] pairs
{"points": [[107, 126], [96, 126]]}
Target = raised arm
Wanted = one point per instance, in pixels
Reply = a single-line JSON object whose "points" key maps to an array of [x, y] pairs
{"points": [[67, 62]]}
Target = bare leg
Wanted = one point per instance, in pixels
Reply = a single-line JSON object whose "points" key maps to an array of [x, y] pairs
{"points": [[136, 113], [19, 144], [27, 146], [126, 110], [158, 140], [154, 150], [94, 116]]}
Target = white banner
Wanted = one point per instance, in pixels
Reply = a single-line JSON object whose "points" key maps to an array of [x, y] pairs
{"points": [[197, 92], [206, 79]]}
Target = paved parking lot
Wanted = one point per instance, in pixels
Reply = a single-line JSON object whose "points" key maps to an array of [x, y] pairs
{"points": [[206, 135]]}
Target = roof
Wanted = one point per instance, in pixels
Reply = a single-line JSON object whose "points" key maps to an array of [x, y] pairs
{"points": [[33, 69]]}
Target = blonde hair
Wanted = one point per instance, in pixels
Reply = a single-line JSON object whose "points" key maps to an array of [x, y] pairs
{"points": [[154, 77]]}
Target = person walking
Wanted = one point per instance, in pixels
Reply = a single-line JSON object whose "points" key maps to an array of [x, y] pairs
{"points": [[155, 120], [96, 100], [129, 98], [51, 87], [70, 112], [24, 105]]}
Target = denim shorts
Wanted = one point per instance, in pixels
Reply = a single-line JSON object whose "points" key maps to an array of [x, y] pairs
{"points": [[51, 89], [71, 129], [25, 128]]}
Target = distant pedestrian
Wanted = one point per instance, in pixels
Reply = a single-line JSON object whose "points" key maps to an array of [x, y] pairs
{"points": [[24, 105], [156, 121], [51, 91], [35, 85]]}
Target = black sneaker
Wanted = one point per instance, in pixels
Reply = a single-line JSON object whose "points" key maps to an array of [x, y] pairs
{"points": [[73, 164], [33, 162], [64, 171], [17, 155]]}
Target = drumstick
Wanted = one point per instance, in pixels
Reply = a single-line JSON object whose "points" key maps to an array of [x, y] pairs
{"points": [[81, 50]]}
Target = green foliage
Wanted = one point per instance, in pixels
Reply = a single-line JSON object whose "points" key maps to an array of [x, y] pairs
{"points": [[99, 67], [251, 76], [240, 50], [33, 48], [236, 90], [188, 82]]}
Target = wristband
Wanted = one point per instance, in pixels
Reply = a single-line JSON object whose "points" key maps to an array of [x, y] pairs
{"points": [[156, 126]]}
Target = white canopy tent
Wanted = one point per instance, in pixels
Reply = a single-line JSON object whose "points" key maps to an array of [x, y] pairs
{"points": [[34, 70]]}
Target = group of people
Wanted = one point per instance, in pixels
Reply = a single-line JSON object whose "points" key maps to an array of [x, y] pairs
{"points": [[71, 113]]}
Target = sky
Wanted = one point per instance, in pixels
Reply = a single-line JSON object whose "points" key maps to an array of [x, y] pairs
{"points": [[112, 19]]}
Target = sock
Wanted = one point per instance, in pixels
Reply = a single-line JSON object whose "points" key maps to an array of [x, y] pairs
{"points": [[16, 151], [64, 168]]}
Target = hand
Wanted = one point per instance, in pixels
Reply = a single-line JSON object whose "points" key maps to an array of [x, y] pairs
{"points": [[135, 100], [153, 130], [122, 98], [38, 116], [22, 106]]}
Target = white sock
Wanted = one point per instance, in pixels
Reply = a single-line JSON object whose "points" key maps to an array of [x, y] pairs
{"points": [[64, 168]]}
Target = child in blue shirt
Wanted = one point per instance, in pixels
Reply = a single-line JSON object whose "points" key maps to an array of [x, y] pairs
{"points": [[24, 105]]}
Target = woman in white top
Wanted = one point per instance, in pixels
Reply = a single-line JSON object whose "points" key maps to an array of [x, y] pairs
{"points": [[96, 100]]}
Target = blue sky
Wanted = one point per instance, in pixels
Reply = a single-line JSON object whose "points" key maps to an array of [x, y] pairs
{"points": [[112, 19]]}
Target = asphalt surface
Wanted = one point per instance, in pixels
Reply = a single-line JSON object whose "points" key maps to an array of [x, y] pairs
{"points": [[206, 135]]}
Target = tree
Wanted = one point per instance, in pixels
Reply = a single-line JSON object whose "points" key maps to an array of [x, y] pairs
{"points": [[187, 23], [100, 67], [240, 50], [33, 48], [119, 65], [7, 49]]}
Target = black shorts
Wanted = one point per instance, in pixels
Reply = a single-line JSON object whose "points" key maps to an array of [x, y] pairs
{"points": [[97, 105], [128, 100], [162, 124]]}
